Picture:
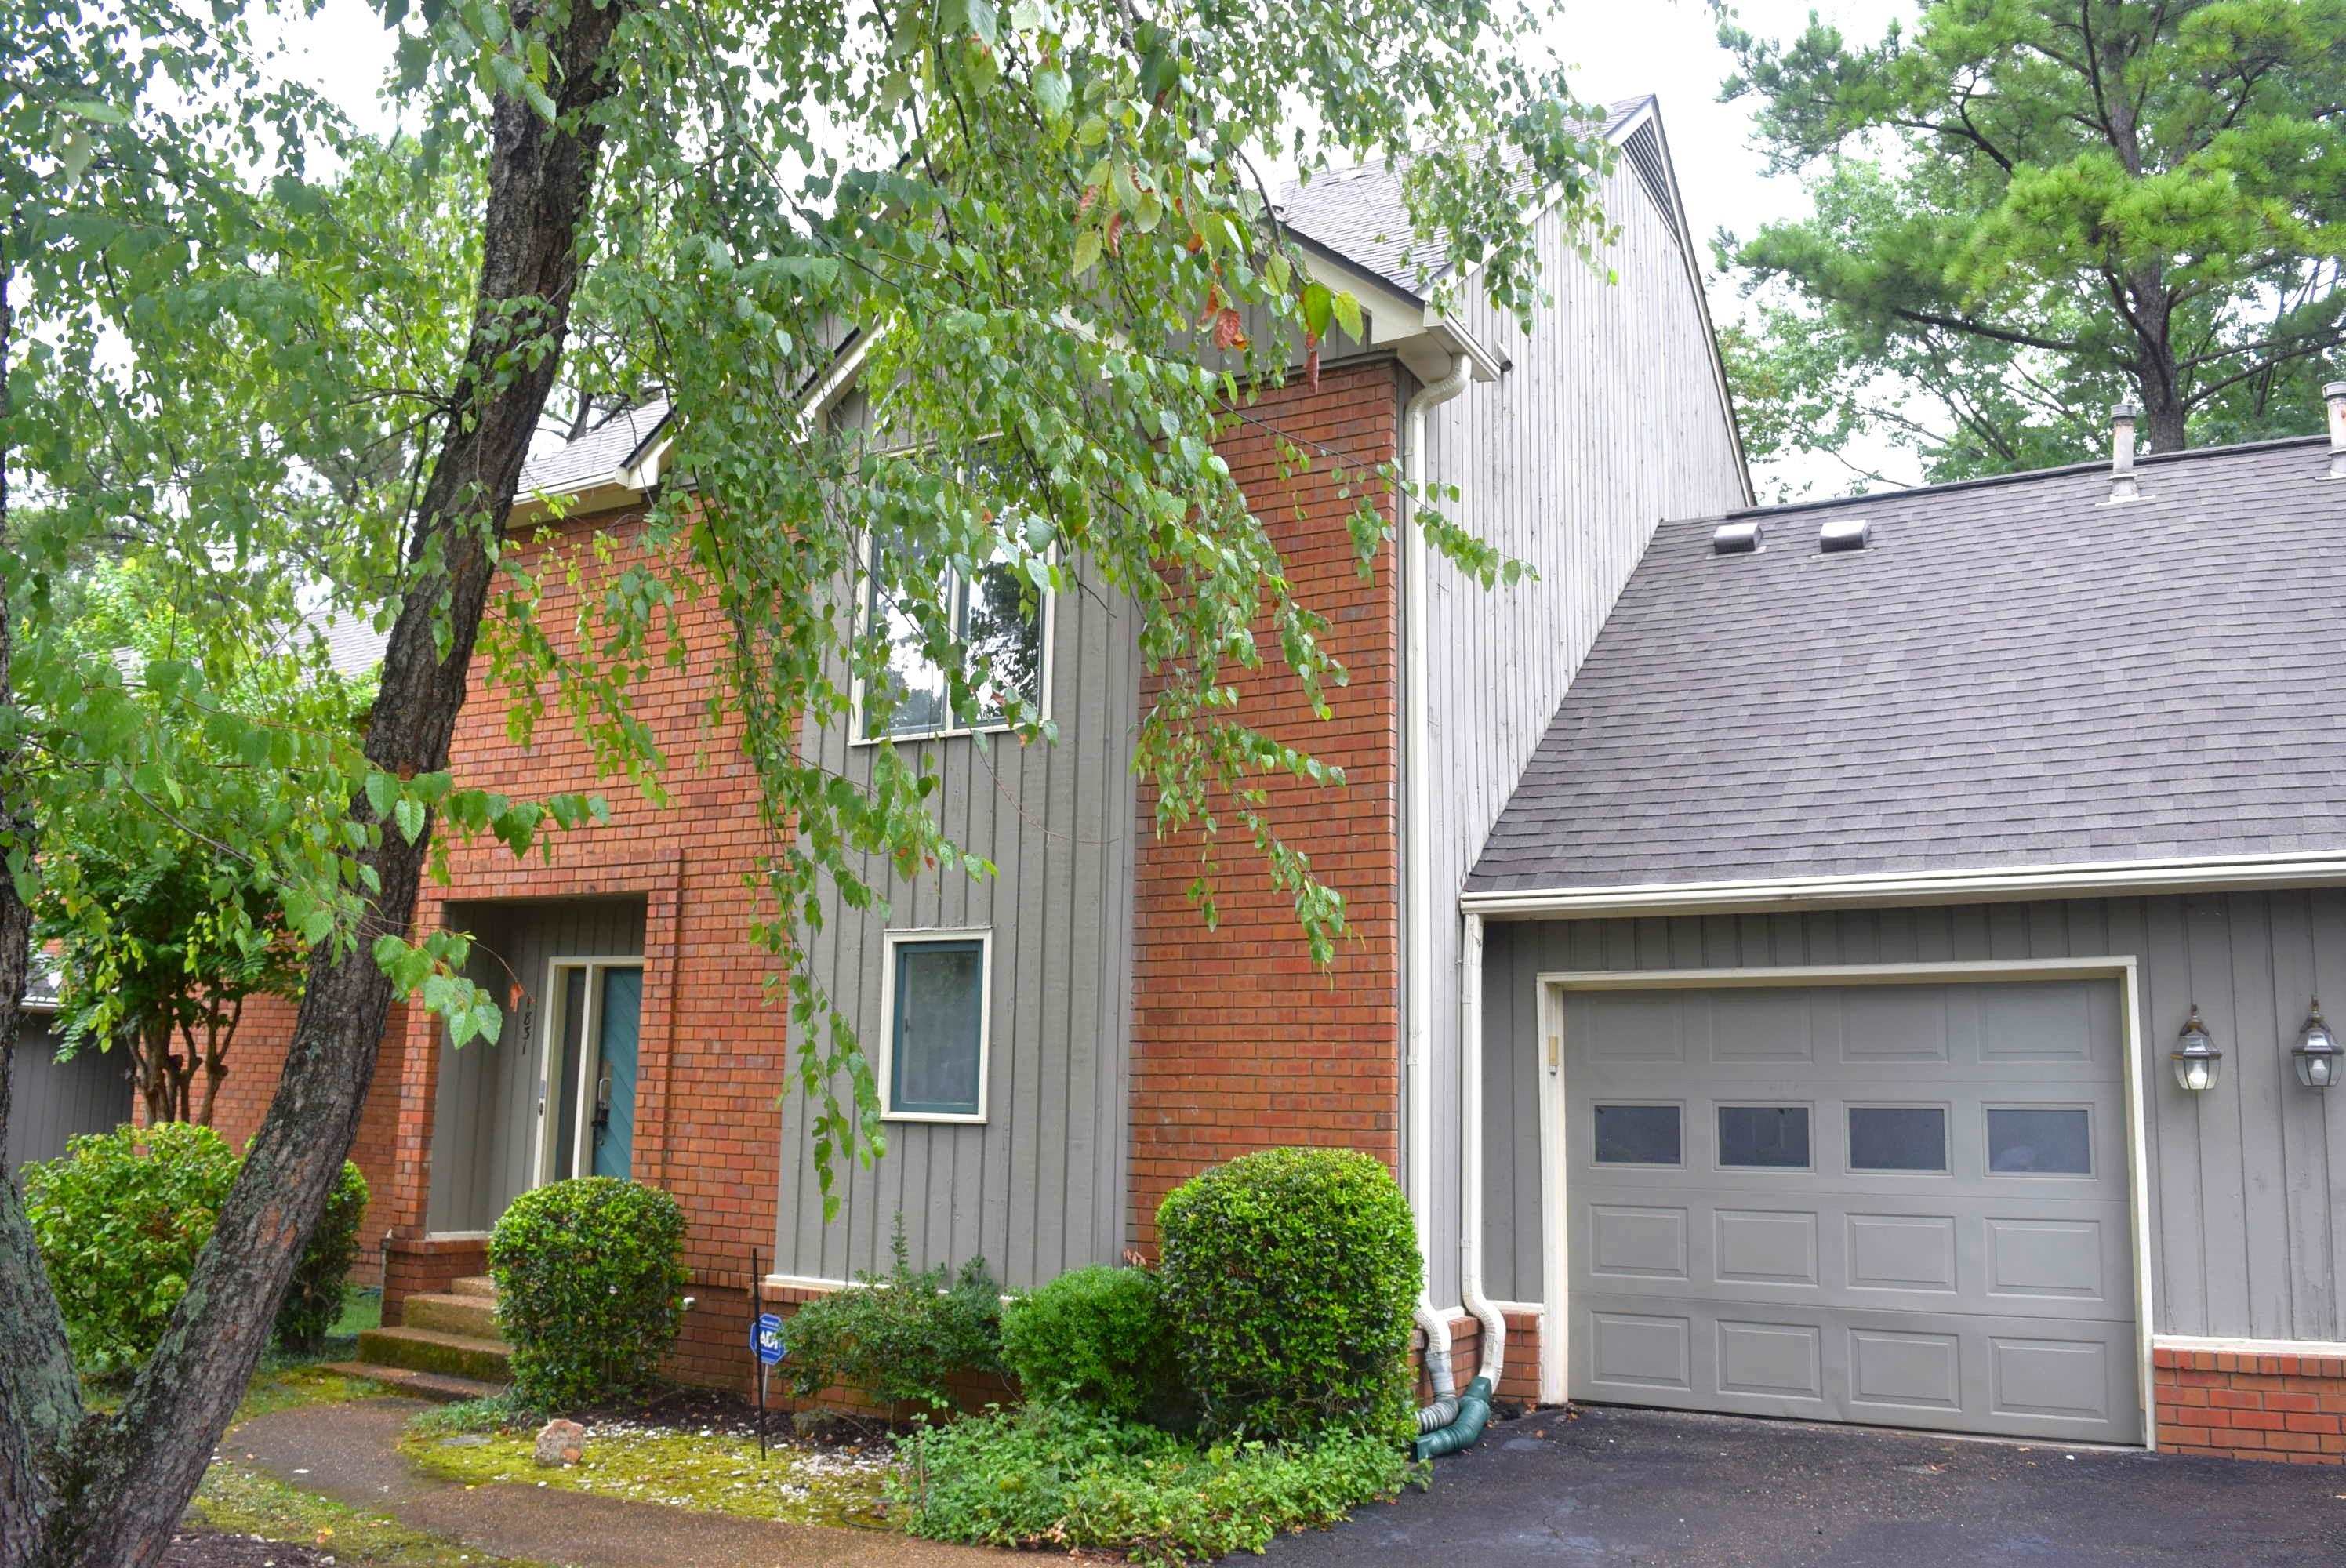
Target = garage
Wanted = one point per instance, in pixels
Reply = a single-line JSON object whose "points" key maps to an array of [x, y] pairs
{"points": [[1900, 1202]]}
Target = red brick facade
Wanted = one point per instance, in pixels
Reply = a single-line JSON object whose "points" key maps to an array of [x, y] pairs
{"points": [[1239, 1043], [2240, 1405]]}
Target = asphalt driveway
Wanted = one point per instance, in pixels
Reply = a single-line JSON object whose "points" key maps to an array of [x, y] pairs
{"points": [[1626, 1488]]}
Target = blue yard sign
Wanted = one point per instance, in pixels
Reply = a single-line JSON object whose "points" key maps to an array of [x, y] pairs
{"points": [[766, 1338]]}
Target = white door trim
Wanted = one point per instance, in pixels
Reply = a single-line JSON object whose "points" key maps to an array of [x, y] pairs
{"points": [[1553, 984], [551, 1027]]}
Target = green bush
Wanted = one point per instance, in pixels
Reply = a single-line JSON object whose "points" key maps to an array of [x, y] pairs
{"points": [[313, 1302], [121, 1216], [1094, 1336], [1070, 1479], [899, 1337], [1289, 1277], [589, 1274]]}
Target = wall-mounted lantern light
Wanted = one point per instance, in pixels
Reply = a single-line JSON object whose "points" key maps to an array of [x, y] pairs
{"points": [[2316, 1052], [2197, 1060]]}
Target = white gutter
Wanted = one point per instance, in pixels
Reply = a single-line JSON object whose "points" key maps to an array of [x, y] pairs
{"points": [[1417, 876], [1470, 1152], [2080, 880]]}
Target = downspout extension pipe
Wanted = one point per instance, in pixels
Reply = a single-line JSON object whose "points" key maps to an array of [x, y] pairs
{"points": [[1416, 850], [1473, 1411]]}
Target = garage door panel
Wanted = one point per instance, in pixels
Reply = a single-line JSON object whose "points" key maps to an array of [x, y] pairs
{"points": [[1763, 1271]]}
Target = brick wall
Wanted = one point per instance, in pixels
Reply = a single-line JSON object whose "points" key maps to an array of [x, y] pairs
{"points": [[2247, 1406], [1239, 1043]]}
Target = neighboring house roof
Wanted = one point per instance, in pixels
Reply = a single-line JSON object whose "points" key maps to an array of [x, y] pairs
{"points": [[2013, 672], [41, 982], [352, 645], [1358, 214]]}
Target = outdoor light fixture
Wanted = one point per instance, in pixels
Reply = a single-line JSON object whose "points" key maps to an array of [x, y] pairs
{"points": [[2316, 1052], [2197, 1060]]}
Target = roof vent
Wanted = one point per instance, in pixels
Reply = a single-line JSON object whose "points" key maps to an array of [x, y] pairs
{"points": [[1735, 539], [2334, 394], [2124, 487], [1845, 534]]}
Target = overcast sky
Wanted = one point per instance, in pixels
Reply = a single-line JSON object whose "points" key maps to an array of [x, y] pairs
{"points": [[1618, 49]]}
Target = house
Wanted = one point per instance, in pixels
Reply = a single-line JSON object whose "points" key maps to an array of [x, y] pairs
{"points": [[1839, 936], [51, 1098]]}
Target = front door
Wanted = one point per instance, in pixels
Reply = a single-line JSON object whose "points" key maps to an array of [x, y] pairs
{"points": [[587, 1101]]}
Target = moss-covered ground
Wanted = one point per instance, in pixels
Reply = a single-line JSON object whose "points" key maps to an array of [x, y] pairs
{"points": [[243, 1502], [707, 1468]]}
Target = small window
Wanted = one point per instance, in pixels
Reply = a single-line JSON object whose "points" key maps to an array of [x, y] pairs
{"points": [[2040, 1142], [1637, 1136], [936, 1031], [993, 618], [1897, 1138], [1771, 1137]]}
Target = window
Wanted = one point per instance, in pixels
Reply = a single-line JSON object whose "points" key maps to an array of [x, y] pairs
{"points": [[1897, 1138], [990, 620], [1637, 1136], [933, 1034], [1773, 1138], [2039, 1142]]}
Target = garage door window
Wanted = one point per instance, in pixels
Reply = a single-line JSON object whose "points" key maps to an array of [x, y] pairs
{"points": [[1764, 1137], [1638, 1135], [2039, 1141], [1897, 1137]]}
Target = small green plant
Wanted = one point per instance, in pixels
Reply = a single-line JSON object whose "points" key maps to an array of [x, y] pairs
{"points": [[1074, 1479], [121, 1216], [589, 1274], [313, 1302], [899, 1337], [1289, 1277], [1096, 1336]]}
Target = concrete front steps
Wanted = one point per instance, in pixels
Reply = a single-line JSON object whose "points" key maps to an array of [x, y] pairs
{"points": [[446, 1346]]}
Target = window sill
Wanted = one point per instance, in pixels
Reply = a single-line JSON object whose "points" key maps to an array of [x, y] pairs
{"points": [[914, 736], [950, 1117]]}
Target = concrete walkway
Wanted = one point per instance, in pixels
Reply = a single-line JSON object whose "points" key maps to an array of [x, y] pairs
{"points": [[346, 1452], [1644, 1488]]}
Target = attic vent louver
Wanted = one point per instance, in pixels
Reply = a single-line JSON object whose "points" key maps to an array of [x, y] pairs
{"points": [[1735, 539], [1843, 534]]}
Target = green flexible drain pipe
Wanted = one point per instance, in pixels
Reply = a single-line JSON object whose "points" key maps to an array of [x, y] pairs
{"points": [[1473, 1409]]}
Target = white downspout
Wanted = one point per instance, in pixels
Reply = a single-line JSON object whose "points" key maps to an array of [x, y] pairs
{"points": [[1417, 875], [1470, 1152]]}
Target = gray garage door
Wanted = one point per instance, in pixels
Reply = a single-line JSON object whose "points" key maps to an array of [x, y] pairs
{"points": [[1903, 1204]]}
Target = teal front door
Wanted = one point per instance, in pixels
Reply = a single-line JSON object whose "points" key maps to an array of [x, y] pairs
{"points": [[619, 1011]]}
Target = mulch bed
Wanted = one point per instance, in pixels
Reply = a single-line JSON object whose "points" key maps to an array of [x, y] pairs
{"points": [[686, 1408], [216, 1549]]}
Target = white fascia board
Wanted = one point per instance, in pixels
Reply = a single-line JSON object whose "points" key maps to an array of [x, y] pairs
{"points": [[2084, 880], [1394, 320]]}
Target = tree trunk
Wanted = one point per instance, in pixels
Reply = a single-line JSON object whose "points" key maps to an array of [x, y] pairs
{"points": [[40, 1400], [124, 1481]]}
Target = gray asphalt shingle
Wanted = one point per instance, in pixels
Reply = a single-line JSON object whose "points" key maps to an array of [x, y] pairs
{"points": [[2010, 674]]}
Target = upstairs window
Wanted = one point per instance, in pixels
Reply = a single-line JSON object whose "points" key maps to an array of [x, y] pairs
{"points": [[935, 1032], [995, 626]]}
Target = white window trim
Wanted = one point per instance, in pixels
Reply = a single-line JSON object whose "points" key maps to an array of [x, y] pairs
{"points": [[549, 1125], [1045, 610], [891, 941]]}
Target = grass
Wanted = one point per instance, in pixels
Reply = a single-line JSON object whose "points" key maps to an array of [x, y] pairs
{"points": [[716, 1471], [244, 1502]]}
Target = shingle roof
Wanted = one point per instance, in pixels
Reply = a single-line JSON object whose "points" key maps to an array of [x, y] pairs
{"points": [[1358, 214], [595, 455], [2012, 673]]}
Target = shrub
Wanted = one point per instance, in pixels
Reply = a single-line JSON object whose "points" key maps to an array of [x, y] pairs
{"points": [[1094, 1337], [899, 1337], [588, 1274], [1073, 1479], [1289, 1277], [121, 1217], [313, 1302]]}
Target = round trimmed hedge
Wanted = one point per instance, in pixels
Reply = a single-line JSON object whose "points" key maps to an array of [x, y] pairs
{"points": [[589, 1276], [1289, 1279], [1094, 1337]]}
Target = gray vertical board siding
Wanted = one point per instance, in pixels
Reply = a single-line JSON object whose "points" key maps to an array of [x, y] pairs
{"points": [[1610, 420], [485, 1114], [2247, 1182], [1037, 1189], [50, 1100]]}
